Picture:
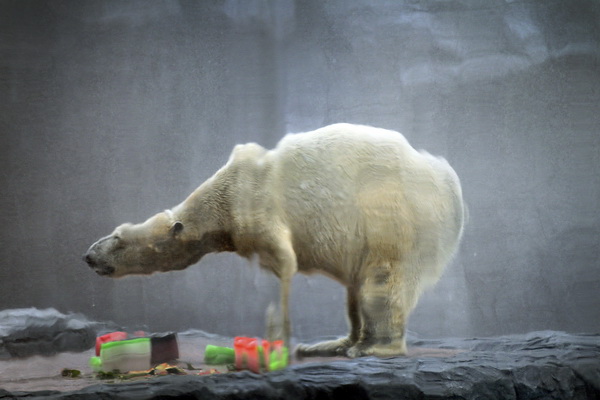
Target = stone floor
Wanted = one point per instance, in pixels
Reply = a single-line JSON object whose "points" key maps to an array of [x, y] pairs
{"points": [[538, 365], [44, 372]]}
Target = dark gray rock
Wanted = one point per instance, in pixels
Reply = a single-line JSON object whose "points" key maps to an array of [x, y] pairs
{"points": [[28, 331], [539, 365]]}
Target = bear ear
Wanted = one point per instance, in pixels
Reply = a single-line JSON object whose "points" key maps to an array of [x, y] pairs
{"points": [[176, 228]]}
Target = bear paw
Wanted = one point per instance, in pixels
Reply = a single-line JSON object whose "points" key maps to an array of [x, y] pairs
{"points": [[331, 348], [377, 350]]}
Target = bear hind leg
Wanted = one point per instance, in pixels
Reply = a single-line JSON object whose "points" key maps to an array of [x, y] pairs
{"points": [[385, 299], [338, 347]]}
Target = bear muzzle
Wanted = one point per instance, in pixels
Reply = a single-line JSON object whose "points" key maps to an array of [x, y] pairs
{"points": [[100, 268]]}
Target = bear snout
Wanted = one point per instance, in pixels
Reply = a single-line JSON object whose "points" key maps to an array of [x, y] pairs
{"points": [[88, 259], [100, 268]]}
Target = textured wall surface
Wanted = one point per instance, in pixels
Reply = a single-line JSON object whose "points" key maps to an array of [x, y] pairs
{"points": [[111, 111]]}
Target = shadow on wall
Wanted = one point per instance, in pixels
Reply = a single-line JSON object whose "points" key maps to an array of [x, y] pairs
{"points": [[565, 282]]}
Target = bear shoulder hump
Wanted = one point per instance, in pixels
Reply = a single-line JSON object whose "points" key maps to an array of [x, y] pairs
{"points": [[247, 152]]}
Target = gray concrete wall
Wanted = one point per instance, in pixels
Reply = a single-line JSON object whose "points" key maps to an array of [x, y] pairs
{"points": [[111, 111]]}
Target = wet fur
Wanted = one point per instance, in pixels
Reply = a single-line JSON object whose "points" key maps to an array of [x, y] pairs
{"points": [[356, 203]]}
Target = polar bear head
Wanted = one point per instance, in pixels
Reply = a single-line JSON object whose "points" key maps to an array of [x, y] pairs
{"points": [[159, 244]]}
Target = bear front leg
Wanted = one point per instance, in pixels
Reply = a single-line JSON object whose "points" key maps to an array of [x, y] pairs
{"points": [[285, 310], [338, 347], [279, 257]]}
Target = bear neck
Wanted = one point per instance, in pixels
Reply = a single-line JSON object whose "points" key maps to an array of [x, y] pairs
{"points": [[206, 215]]}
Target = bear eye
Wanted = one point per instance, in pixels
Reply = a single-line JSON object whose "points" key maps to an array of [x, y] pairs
{"points": [[118, 242]]}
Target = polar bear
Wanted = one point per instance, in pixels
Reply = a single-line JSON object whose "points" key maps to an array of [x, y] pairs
{"points": [[353, 202]]}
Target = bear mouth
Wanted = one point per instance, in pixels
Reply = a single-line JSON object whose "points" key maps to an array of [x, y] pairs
{"points": [[106, 271], [103, 270]]}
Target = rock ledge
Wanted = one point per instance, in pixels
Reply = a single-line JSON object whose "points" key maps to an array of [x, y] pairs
{"points": [[539, 365]]}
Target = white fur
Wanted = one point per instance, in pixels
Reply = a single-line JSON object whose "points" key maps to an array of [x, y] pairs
{"points": [[356, 203]]}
